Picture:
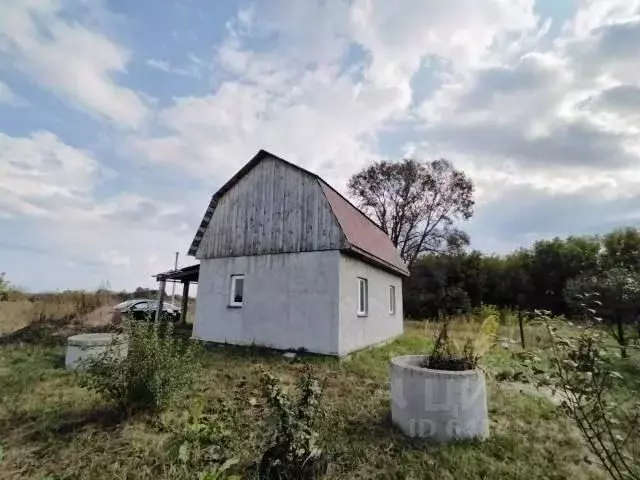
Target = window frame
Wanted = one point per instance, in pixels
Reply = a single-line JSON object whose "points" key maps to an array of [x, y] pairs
{"points": [[392, 299], [363, 312], [232, 290]]}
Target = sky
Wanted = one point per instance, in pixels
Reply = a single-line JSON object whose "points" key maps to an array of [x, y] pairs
{"points": [[120, 119]]}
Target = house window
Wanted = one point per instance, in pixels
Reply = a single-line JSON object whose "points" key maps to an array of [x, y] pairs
{"points": [[363, 297], [392, 299], [237, 290]]}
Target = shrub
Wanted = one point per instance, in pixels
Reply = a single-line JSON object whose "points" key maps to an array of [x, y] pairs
{"points": [[156, 370], [583, 373], [293, 454], [452, 355], [200, 444]]}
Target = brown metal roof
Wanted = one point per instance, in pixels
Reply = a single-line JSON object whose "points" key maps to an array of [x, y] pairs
{"points": [[365, 238]]}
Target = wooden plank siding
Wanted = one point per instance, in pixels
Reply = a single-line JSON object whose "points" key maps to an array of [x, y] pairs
{"points": [[274, 208]]}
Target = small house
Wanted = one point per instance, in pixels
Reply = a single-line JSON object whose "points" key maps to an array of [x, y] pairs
{"points": [[287, 262]]}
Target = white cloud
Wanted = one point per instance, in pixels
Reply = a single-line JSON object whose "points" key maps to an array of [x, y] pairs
{"points": [[69, 59], [40, 170], [544, 110], [300, 93], [164, 66], [116, 259], [400, 35], [322, 119], [510, 97], [9, 97], [55, 187]]}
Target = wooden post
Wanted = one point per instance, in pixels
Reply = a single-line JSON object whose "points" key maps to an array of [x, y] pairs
{"points": [[163, 282], [173, 286], [520, 323], [185, 302]]}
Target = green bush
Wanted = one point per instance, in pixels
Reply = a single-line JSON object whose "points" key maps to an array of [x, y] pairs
{"points": [[200, 443], [485, 310], [157, 369], [293, 454]]}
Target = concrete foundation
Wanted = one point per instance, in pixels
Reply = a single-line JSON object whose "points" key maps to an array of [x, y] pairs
{"points": [[439, 405], [90, 345]]}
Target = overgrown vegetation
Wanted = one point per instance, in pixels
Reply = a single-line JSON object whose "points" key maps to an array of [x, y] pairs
{"points": [[50, 426], [293, 453], [616, 299], [453, 354], [156, 370], [584, 373], [200, 443]]}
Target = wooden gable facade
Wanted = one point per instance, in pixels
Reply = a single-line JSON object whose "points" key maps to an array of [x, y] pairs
{"points": [[274, 207]]}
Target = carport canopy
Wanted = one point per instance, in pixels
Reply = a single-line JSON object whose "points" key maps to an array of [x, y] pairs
{"points": [[186, 276]]}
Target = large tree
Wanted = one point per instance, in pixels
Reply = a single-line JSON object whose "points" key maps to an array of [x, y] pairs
{"points": [[622, 249], [416, 203]]}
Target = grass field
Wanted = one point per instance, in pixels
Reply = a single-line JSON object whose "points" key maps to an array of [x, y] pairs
{"points": [[52, 428]]}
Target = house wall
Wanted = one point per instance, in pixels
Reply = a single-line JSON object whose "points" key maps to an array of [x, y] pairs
{"points": [[290, 301], [274, 208], [357, 332]]}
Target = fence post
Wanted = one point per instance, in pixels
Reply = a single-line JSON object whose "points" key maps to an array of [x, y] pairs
{"points": [[520, 323]]}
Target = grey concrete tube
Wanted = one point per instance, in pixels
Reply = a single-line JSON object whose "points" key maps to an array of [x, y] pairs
{"points": [[439, 405]]}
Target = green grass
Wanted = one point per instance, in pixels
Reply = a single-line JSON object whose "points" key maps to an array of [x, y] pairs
{"points": [[49, 426]]}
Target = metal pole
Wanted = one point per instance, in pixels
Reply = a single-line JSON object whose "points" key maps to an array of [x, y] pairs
{"points": [[173, 288]]}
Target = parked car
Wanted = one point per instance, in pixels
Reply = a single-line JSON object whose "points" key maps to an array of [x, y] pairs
{"points": [[143, 309]]}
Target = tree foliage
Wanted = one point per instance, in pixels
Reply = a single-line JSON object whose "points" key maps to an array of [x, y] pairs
{"points": [[416, 203], [535, 277], [617, 294], [622, 249]]}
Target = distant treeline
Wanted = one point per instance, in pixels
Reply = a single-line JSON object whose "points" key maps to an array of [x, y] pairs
{"points": [[529, 278]]}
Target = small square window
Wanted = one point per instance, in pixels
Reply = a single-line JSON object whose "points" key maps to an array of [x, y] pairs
{"points": [[237, 291], [392, 299], [363, 297]]}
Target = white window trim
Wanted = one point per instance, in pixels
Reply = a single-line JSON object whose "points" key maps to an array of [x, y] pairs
{"points": [[234, 279], [365, 312], [392, 299]]}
